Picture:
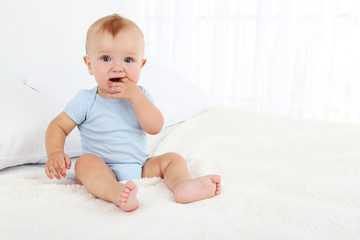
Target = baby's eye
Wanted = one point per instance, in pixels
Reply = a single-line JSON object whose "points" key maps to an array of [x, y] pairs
{"points": [[128, 60], [105, 59]]}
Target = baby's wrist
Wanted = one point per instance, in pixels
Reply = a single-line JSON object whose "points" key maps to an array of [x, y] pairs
{"points": [[53, 153], [138, 98]]}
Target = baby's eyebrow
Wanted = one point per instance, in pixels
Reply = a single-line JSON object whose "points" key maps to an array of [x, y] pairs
{"points": [[103, 52], [126, 53], [131, 53]]}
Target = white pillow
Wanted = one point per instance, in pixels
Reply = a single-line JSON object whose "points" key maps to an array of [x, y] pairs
{"points": [[25, 115], [61, 83], [176, 97]]}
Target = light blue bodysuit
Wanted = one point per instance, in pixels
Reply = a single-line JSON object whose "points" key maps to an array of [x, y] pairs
{"points": [[109, 129]]}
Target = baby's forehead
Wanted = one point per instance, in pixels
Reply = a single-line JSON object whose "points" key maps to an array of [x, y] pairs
{"points": [[131, 32], [96, 33], [133, 37]]}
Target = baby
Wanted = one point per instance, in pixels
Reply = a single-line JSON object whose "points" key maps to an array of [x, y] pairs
{"points": [[113, 118]]}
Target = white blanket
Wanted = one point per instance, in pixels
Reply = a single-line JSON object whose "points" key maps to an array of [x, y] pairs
{"points": [[282, 178]]}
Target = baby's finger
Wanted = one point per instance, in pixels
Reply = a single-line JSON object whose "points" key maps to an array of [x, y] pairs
{"points": [[125, 80], [62, 165], [114, 95], [115, 87], [57, 166], [67, 162], [54, 172], [48, 173]]}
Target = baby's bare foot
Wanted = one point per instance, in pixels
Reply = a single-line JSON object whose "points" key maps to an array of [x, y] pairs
{"points": [[198, 189], [127, 199]]}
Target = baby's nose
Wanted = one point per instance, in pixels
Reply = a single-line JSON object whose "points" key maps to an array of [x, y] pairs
{"points": [[118, 67]]}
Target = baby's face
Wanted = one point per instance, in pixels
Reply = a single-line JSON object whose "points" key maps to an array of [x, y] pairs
{"points": [[112, 59]]}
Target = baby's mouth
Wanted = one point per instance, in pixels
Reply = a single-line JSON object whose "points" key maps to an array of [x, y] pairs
{"points": [[115, 79]]}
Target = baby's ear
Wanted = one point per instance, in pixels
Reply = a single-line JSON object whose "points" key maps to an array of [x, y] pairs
{"points": [[88, 64], [143, 62]]}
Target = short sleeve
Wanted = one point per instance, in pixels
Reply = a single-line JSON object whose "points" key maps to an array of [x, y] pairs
{"points": [[79, 105], [148, 94]]}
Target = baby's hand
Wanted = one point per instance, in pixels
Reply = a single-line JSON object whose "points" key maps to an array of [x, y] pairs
{"points": [[57, 164], [126, 90]]}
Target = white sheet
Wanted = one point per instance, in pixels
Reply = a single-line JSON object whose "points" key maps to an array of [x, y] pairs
{"points": [[22, 169], [282, 178]]}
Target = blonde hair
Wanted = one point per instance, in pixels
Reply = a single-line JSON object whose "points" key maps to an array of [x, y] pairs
{"points": [[112, 24]]}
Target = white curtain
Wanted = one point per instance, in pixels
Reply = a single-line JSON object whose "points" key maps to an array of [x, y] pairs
{"points": [[294, 57]]}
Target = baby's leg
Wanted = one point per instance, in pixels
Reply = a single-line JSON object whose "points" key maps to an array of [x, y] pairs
{"points": [[99, 180], [172, 167]]}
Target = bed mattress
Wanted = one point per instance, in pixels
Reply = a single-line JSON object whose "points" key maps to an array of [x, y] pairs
{"points": [[282, 178]]}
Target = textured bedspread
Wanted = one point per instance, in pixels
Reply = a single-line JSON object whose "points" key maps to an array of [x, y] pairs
{"points": [[282, 178]]}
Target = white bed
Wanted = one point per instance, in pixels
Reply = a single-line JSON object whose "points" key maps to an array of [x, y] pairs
{"points": [[282, 178]]}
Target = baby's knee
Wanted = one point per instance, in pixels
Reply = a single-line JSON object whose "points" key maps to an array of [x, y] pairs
{"points": [[175, 156], [84, 160], [172, 157]]}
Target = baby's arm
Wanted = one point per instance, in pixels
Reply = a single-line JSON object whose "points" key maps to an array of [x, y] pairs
{"points": [[55, 137], [149, 116]]}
